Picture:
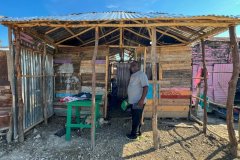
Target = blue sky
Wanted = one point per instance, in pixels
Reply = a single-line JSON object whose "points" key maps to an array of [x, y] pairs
{"points": [[25, 8]]}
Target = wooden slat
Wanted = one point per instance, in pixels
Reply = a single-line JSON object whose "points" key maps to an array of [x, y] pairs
{"points": [[170, 102], [168, 108], [168, 114]]}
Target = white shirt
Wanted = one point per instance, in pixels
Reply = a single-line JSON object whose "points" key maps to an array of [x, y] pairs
{"points": [[138, 80]]}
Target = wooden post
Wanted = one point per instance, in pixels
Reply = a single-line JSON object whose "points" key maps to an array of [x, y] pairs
{"points": [[197, 100], [12, 116], [121, 36], [44, 100], [19, 85], [93, 128], [232, 90], [145, 59], [135, 55], [156, 139], [205, 88], [106, 87]]}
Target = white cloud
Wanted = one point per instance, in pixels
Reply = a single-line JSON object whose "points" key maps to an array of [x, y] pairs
{"points": [[111, 6]]}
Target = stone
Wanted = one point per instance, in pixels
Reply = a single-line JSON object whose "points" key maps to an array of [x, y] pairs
{"points": [[37, 136], [35, 130]]}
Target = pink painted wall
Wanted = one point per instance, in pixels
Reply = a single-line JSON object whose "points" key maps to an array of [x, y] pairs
{"points": [[219, 66]]}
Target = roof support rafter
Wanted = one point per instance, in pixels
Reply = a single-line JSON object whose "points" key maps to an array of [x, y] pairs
{"points": [[43, 37], [71, 32], [100, 37], [175, 30], [140, 35], [163, 34], [117, 38], [187, 29], [80, 33], [212, 32], [130, 40], [173, 36], [197, 32], [51, 30]]}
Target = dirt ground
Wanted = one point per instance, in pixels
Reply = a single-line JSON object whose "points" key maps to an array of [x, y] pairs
{"points": [[184, 141]]}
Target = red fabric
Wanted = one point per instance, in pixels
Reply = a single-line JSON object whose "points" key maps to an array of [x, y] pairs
{"points": [[198, 77]]}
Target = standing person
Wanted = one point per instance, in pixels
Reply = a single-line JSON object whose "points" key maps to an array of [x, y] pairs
{"points": [[137, 91]]}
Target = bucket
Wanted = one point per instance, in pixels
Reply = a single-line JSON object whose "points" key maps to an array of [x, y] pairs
{"points": [[124, 105]]}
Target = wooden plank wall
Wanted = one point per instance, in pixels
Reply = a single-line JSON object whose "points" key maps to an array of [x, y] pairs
{"points": [[66, 69], [5, 90], [73, 70], [175, 82], [75, 66]]}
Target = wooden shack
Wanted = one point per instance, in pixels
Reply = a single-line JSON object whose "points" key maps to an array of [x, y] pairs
{"points": [[65, 54]]}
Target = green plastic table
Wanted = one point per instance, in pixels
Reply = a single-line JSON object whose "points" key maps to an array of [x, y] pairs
{"points": [[81, 124]]}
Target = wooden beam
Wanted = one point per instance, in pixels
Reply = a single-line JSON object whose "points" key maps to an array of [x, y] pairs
{"points": [[121, 40], [156, 139], [100, 37], [93, 116], [71, 32], [52, 30], [137, 22], [137, 43], [19, 85], [140, 35], [163, 34], [154, 24], [80, 33], [206, 35], [186, 29], [40, 36], [205, 88], [173, 36], [145, 59], [197, 32], [114, 40], [102, 32], [232, 90], [175, 31]]}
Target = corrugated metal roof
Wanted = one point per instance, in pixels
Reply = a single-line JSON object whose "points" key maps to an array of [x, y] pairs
{"points": [[115, 15]]}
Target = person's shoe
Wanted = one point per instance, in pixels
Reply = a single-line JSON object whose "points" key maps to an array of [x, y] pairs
{"points": [[132, 137], [139, 134]]}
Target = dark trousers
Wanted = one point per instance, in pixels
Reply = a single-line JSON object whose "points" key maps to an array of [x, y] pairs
{"points": [[136, 120]]}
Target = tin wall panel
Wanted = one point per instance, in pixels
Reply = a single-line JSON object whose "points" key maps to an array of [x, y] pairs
{"points": [[31, 63], [123, 75], [221, 77]]}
